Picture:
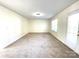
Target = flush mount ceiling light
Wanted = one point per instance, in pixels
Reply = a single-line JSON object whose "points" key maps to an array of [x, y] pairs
{"points": [[38, 14]]}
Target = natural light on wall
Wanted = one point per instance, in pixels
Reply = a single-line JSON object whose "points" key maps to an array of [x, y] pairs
{"points": [[10, 27], [54, 25]]}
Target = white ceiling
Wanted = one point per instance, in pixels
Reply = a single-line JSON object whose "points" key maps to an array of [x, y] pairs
{"points": [[28, 7]]}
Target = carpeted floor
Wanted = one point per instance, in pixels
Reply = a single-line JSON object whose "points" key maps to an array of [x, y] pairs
{"points": [[39, 45]]}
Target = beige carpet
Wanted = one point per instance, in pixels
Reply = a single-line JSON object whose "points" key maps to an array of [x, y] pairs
{"points": [[42, 45]]}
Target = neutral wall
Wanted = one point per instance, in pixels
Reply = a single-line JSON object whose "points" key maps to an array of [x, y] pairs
{"points": [[12, 27], [24, 26], [62, 17], [39, 25]]}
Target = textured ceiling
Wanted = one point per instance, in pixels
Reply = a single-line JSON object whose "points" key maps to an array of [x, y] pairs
{"points": [[28, 7]]}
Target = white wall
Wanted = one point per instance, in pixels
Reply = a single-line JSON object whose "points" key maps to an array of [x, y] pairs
{"points": [[39, 25], [24, 26], [12, 27], [62, 17]]}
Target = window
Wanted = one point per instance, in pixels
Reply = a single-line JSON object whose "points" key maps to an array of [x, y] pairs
{"points": [[54, 25], [72, 30]]}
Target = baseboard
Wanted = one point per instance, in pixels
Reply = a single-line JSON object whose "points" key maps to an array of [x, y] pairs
{"points": [[38, 32]]}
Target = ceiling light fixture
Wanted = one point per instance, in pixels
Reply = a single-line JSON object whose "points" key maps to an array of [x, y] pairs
{"points": [[38, 14]]}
